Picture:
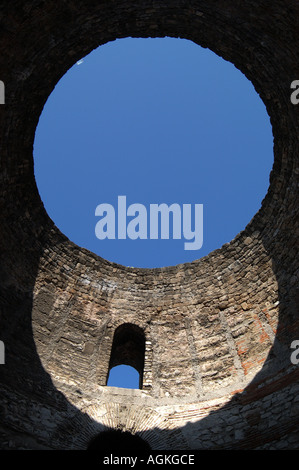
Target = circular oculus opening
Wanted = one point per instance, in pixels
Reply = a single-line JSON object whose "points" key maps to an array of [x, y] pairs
{"points": [[154, 121]]}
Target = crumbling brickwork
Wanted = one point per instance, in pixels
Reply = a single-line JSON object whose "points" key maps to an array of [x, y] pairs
{"points": [[217, 372]]}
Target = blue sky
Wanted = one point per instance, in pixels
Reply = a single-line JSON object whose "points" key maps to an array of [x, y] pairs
{"points": [[159, 121]]}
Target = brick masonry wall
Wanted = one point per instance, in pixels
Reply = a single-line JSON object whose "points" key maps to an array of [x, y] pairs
{"points": [[218, 331]]}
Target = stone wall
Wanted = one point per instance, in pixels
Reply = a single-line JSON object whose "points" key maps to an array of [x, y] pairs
{"points": [[217, 371]]}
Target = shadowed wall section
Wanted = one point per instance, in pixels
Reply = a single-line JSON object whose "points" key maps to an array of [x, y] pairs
{"points": [[217, 370]]}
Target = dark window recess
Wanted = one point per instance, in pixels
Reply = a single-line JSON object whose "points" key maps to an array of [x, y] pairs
{"points": [[128, 348]]}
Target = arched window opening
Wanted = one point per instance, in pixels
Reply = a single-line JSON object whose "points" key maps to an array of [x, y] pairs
{"points": [[123, 376], [128, 349]]}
